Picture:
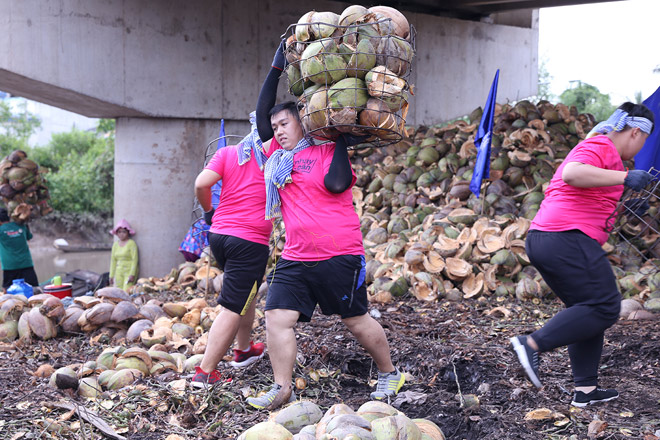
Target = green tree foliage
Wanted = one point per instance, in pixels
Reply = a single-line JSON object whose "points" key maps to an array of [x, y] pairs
{"points": [[82, 171], [15, 129], [84, 183], [544, 81], [80, 164], [588, 99]]}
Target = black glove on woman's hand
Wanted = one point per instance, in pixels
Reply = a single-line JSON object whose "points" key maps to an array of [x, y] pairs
{"points": [[208, 216], [637, 179], [279, 60], [637, 206]]}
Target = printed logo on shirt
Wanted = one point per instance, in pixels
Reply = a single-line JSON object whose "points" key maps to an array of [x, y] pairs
{"points": [[303, 165], [14, 233]]}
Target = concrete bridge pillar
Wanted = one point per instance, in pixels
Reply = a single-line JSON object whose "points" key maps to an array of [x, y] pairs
{"points": [[156, 162]]}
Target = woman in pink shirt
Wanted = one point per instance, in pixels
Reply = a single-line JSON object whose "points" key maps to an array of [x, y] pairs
{"points": [[238, 239], [564, 244]]}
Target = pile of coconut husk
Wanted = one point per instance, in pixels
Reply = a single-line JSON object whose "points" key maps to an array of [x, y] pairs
{"points": [[349, 72], [110, 315], [428, 235], [117, 367], [304, 420], [114, 316], [23, 188]]}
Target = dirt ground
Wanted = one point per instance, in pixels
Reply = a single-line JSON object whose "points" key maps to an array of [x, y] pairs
{"points": [[450, 351]]}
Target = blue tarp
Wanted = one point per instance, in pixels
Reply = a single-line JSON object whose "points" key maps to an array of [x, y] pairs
{"points": [[649, 156]]}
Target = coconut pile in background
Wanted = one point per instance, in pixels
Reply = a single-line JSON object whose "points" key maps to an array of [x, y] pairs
{"points": [[23, 188], [349, 72], [427, 234]]}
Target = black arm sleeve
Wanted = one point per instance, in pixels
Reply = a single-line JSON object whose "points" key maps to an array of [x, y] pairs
{"points": [[265, 102], [340, 174]]}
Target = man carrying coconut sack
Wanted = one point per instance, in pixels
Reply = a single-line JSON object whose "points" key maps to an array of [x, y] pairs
{"points": [[323, 258], [238, 238]]}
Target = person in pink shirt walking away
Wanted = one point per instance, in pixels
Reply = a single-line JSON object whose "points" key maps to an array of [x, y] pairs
{"points": [[323, 259], [564, 244], [238, 238]]}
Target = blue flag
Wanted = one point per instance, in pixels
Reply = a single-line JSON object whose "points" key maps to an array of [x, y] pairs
{"points": [[482, 140], [649, 155], [217, 188]]}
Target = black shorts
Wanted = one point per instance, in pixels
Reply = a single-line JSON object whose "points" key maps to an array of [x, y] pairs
{"points": [[336, 285], [27, 273], [244, 265]]}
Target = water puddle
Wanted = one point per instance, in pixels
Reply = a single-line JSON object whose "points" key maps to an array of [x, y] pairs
{"points": [[50, 263]]}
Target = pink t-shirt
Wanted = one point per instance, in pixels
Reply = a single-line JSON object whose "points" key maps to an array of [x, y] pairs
{"points": [[240, 212], [319, 224], [567, 207]]}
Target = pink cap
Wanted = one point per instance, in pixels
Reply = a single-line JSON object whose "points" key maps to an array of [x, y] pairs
{"points": [[123, 224]]}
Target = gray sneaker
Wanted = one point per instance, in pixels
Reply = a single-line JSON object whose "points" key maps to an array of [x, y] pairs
{"points": [[528, 358], [266, 401], [389, 385]]}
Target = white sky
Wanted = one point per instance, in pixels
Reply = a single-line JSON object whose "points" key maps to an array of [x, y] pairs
{"points": [[613, 46]]}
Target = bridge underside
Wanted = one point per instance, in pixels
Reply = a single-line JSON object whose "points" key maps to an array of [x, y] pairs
{"points": [[477, 9]]}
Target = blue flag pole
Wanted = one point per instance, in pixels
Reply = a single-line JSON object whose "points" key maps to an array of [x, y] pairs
{"points": [[482, 139], [649, 156], [196, 239], [217, 188]]}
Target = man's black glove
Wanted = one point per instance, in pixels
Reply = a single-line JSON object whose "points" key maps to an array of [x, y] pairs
{"points": [[279, 60], [351, 139], [637, 179], [208, 216], [636, 206]]}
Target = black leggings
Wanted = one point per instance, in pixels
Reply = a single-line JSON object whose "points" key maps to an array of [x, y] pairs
{"points": [[28, 274], [578, 272]]}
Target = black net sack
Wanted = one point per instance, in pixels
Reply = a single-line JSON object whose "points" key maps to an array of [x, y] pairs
{"points": [[635, 226], [350, 73]]}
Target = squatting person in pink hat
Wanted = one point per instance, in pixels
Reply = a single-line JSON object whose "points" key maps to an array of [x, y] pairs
{"points": [[124, 257]]}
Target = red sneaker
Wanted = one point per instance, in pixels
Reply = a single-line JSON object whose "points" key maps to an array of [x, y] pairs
{"points": [[202, 380], [245, 358]]}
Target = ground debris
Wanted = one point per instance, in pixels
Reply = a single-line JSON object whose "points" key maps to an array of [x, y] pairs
{"points": [[446, 349]]}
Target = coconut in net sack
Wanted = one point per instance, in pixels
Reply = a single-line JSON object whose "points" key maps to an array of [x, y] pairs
{"points": [[350, 72], [23, 188]]}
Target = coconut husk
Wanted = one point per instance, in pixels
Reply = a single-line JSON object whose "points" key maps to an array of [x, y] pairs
{"points": [[197, 303], [473, 285], [52, 308], [192, 318], [86, 302], [42, 326], [207, 272], [69, 321], [124, 311], [99, 314], [446, 247], [124, 378], [151, 312], [134, 331], [457, 269]]}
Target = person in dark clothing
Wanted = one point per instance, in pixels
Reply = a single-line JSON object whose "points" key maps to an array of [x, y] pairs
{"points": [[564, 244], [14, 252]]}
